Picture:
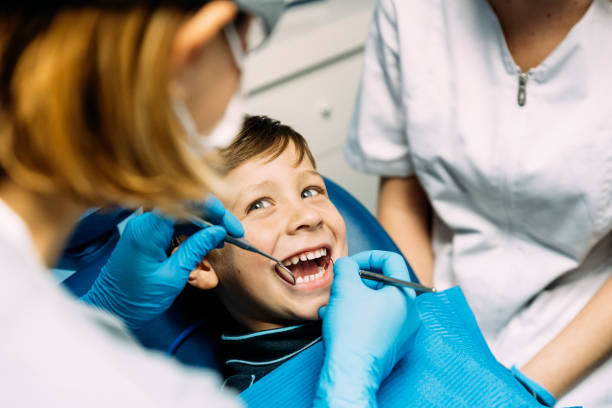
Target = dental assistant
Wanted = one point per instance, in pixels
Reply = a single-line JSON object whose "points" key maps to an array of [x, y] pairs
{"points": [[490, 125], [109, 102]]}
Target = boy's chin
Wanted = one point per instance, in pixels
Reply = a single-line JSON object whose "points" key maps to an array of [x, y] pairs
{"points": [[309, 314]]}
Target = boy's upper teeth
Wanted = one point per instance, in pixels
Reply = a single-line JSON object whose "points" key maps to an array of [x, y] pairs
{"points": [[306, 256]]}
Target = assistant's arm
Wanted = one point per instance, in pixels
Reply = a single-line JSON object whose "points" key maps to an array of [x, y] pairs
{"points": [[404, 211], [577, 349]]}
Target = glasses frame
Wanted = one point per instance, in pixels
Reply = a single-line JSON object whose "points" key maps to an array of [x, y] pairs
{"points": [[235, 45]]}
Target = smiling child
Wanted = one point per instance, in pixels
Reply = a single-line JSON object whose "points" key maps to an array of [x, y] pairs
{"points": [[282, 203]]}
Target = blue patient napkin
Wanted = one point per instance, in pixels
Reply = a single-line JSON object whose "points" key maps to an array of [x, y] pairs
{"points": [[449, 365]]}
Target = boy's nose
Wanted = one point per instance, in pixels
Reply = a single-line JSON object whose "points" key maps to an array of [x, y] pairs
{"points": [[304, 217]]}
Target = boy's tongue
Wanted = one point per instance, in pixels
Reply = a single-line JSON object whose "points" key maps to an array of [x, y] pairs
{"points": [[304, 268]]}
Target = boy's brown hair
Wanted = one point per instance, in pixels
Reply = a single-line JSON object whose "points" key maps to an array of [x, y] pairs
{"points": [[263, 136], [259, 136]]}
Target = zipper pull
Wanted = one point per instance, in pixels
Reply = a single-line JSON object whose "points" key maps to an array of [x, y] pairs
{"points": [[522, 89]]}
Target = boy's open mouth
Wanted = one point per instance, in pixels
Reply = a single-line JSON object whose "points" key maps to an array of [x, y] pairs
{"points": [[308, 266]]}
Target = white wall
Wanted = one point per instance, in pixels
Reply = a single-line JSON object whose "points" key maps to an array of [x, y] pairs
{"points": [[307, 77]]}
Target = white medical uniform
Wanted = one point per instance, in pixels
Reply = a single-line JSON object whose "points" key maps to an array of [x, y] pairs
{"points": [[522, 195], [57, 352]]}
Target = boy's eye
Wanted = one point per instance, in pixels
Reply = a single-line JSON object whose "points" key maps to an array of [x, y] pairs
{"points": [[310, 192], [258, 205]]}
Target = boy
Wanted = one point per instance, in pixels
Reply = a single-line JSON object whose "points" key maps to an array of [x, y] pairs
{"points": [[282, 203]]}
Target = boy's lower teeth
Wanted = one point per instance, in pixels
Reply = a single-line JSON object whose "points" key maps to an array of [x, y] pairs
{"points": [[308, 278]]}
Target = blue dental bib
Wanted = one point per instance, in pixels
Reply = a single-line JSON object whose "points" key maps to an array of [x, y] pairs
{"points": [[449, 365]]}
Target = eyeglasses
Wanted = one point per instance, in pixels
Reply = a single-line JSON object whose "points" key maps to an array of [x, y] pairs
{"points": [[245, 34], [256, 20]]}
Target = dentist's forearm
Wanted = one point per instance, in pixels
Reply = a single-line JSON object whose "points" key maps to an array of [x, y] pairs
{"points": [[404, 211], [578, 349]]}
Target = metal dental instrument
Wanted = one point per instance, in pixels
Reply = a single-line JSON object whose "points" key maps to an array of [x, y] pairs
{"points": [[378, 277], [244, 244]]}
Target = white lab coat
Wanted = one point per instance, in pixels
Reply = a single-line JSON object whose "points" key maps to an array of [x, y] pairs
{"points": [[522, 195], [57, 352]]}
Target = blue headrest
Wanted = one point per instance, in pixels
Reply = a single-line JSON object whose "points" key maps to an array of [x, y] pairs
{"points": [[363, 231], [179, 329]]}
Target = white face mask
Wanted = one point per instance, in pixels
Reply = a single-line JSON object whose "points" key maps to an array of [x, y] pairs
{"points": [[230, 124], [224, 131]]}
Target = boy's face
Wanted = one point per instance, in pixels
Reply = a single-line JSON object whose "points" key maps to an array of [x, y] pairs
{"points": [[285, 212]]}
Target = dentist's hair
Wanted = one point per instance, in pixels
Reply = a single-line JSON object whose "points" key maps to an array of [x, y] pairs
{"points": [[85, 109], [263, 137]]}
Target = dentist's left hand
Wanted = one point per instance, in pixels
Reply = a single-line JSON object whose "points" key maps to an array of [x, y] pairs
{"points": [[139, 282], [367, 329]]}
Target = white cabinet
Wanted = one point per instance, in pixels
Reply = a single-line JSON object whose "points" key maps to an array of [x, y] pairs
{"points": [[307, 77]]}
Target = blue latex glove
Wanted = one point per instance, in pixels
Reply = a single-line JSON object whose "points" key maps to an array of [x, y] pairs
{"points": [[540, 393], [139, 282], [367, 329]]}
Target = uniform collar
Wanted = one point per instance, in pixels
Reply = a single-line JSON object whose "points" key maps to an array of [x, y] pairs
{"points": [[15, 233], [562, 53], [268, 346]]}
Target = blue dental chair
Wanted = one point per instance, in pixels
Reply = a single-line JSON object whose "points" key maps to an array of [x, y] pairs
{"points": [[181, 331]]}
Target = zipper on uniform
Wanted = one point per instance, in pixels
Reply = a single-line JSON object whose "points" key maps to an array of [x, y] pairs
{"points": [[522, 88]]}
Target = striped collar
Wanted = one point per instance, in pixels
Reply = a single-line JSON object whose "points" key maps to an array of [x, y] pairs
{"points": [[248, 357]]}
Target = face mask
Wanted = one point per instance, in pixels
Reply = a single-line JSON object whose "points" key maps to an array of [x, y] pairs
{"points": [[224, 131], [228, 127]]}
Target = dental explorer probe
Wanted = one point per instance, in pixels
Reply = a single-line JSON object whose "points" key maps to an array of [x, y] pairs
{"points": [[378, 277], [244, 244]]}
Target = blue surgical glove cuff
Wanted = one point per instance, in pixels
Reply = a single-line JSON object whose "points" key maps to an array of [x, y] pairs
{"points": [[540, 393]]}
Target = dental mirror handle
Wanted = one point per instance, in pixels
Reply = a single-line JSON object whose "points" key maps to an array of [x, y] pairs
{"points": [[378, 277], [244, 244], [239, 242]]}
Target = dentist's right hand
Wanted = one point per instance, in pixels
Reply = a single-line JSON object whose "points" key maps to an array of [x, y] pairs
{"points": [[367, 329], [139, 282]]}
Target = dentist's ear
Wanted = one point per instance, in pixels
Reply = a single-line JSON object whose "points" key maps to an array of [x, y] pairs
{"points": [[200, 29], [204, 276]]}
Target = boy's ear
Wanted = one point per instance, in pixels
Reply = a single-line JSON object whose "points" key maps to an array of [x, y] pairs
{"points": [[204, 276]]}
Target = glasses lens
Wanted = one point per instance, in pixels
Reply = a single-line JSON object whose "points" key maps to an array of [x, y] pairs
{"points": [[264, 14], [256, 33]]}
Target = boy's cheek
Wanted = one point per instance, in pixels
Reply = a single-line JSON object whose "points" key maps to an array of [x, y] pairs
{"points": [[222, 260], [339, 230]]}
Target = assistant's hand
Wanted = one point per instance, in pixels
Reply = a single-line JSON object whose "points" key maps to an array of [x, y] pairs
{"points": [[139, 281], [366, 330]]}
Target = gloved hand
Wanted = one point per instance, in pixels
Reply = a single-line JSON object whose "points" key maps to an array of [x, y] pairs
{"points": [[367, 329], [540, 393], [139, 281]]}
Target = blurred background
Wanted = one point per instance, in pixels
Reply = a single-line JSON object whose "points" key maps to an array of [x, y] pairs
{"points": [[307, 77]]}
